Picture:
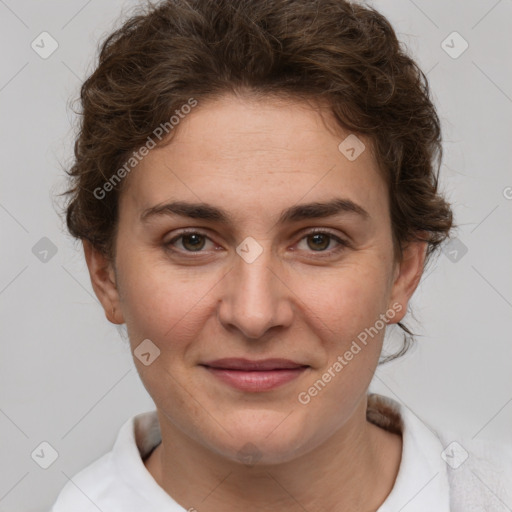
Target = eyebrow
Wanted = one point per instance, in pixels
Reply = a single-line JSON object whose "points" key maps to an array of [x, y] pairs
{"points": [[205, 211]]}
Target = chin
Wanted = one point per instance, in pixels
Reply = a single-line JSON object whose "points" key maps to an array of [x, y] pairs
{"points": [[266, 440]]}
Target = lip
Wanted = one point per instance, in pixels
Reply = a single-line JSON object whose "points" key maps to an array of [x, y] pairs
{"points": [[255, 376], [238, 363]]}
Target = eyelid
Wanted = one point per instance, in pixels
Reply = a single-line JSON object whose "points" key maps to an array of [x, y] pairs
{"points": [[328, 231]]}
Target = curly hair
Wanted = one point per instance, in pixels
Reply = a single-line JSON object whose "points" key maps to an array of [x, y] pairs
{"points": [[343, 53]]}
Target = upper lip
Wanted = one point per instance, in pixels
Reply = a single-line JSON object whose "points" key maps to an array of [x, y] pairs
{"points": [[233, 363]]}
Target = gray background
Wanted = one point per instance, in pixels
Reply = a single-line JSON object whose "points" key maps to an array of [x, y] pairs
{"points": [[66, 376]]}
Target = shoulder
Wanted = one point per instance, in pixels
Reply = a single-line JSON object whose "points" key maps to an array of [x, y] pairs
{"points": [[479, 471], [114, 481], [84, 490], [472, 474]]}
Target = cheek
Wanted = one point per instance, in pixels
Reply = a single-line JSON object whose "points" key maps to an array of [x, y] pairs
{"points": [[162, 304], [346, 308], [346, 300], [166, 303]]}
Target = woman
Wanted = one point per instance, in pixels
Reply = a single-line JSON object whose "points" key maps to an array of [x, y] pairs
{"points": [[255, 186]]}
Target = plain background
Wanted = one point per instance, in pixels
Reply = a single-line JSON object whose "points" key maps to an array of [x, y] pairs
{"points": [[66, 375]]}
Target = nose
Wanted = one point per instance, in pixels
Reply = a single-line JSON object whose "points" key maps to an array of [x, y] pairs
{"points": [[256, 297]]}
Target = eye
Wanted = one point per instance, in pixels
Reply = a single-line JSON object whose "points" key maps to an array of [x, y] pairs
{"points": [[191, 241], [319, 240]]}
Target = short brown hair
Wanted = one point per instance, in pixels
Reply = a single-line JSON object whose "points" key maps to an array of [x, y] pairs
{"points": [[337, 51]]}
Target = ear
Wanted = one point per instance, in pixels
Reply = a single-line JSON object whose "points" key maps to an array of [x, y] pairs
{"points": [[407, 275], [103, 280]]}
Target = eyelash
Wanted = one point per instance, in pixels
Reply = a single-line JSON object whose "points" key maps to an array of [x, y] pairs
{"points": [[342, 244]]}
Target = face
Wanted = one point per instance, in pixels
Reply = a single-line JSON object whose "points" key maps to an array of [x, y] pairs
{"points": [[257, 274]]}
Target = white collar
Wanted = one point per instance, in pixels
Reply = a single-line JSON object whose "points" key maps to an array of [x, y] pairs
{"points": [[422, 482]]}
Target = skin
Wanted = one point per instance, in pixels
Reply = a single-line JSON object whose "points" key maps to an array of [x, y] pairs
{"points": [[255, 158]]}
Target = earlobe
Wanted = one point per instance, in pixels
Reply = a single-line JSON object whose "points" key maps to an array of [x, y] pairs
{"points": [[407, 275], [103, 280]]}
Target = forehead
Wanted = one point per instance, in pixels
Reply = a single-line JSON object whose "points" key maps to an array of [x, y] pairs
{"points": [[258, 153]]}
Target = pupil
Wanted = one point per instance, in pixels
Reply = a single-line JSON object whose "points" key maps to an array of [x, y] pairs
{"points": [[318, 237], [197, 243]]}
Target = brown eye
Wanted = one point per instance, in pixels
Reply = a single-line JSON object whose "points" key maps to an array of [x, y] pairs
{"points": [[189, 242], [193, 242], [322, 242], [319, 241]]}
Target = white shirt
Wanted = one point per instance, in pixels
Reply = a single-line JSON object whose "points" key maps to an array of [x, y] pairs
{"points": [[119, 481]]}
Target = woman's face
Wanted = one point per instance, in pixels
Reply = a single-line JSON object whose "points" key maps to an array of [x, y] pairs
{"points": [[248, 281]]}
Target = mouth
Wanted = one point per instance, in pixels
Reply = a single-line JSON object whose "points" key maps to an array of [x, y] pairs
{"points": [[241, 364], [255, 376]]}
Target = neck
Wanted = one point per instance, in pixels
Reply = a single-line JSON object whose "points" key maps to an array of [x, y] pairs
{"points": [[354, 469]]}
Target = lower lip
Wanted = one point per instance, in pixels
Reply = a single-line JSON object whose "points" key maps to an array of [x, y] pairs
{"points": [[256, 380]]}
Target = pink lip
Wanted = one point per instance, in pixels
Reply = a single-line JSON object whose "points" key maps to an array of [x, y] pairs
{"points": [[255, 376], [239, 363]]}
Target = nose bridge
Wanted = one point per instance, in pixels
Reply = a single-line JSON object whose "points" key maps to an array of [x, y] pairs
{"points": [[255, 299]]}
